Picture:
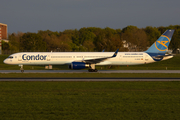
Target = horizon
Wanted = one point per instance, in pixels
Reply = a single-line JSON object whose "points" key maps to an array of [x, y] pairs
{"points": [[55, 15]]}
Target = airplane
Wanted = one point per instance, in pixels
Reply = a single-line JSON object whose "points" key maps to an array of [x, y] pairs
{"points": [[82, 60]]}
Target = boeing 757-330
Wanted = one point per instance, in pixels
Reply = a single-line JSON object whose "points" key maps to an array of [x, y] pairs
{"points": [[81, 60]]}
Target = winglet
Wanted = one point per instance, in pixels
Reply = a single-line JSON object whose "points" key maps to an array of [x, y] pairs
{"points": [[115, 53]]}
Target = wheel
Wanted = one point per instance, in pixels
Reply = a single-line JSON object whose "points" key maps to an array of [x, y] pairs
{"points": [[22, 70], [95, 70], [90, 70]]}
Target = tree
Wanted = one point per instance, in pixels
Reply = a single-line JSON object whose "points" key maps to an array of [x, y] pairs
{"points": [[14, 41], [136, 37], [152, 34], [108, 39], [115, 43], [5, 45], [32, 42], [129, 28], [175, 41], [91, 39], [86, 34], [89, 45], [64, 43]]}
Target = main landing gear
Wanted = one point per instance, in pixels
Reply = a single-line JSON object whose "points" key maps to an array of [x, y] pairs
{"points": [[92, 68], [22, 70]]}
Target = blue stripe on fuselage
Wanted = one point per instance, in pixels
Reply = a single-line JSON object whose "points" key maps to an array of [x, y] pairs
{"points": [[154, 55]]}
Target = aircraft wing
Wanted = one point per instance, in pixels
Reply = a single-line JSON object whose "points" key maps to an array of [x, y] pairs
{"points": [[98, 60]]}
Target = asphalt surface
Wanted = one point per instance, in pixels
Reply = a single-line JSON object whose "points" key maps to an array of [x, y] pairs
{"points": [[89, 79], [85, 71]]}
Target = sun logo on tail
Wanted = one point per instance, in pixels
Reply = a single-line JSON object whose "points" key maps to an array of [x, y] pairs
{"points": [[163, 43]]}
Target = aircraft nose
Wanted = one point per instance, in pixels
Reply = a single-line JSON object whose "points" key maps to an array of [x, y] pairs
{"points": [[5, 61]]}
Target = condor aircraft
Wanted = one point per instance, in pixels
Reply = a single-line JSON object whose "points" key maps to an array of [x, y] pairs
{"points": [[81, 60]]}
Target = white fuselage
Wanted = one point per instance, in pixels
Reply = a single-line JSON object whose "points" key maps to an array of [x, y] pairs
{"points": [[66, 58]]}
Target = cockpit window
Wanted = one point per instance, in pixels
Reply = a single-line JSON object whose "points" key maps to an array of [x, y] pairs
{"points": [[11, 57]]}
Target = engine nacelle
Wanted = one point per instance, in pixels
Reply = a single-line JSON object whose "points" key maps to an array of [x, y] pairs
{"points": [[78, 65]]}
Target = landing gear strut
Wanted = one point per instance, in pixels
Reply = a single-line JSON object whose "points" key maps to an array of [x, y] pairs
{"points": [[22, 70], [92, 68]]}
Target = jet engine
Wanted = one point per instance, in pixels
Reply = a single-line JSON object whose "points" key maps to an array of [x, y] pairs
{"points": [[78, 65]]}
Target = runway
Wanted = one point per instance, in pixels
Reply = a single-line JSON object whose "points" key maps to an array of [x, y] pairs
{"points": [[85, 71], [89, 79]]}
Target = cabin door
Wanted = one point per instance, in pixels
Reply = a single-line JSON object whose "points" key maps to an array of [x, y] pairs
{"points": [[146, 58], [19, 57], [48, 57], [120, 57]]}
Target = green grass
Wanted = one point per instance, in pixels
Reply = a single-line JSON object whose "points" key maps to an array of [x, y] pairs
{"points": [[90, 100], [89, 75]]}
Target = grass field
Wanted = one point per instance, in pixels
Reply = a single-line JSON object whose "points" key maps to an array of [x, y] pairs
{"points": [[90, 100], [89, 75]]}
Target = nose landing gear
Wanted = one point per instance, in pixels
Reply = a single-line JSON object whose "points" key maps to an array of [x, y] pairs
{"points": [[22, 70]]}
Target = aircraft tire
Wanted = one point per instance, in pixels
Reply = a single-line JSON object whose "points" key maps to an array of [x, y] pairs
{"points": [[92, 70]]}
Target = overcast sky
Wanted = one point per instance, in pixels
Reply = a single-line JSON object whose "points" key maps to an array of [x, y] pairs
{"points": [[59, 15]]}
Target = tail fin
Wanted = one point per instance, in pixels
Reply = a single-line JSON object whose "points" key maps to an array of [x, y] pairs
{"points": [[162, 43]]}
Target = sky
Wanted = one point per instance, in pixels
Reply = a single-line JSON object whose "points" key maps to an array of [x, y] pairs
{"points": [[59, 15]]}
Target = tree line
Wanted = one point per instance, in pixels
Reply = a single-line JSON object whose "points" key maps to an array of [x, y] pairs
{"points": [[89, 39]]}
